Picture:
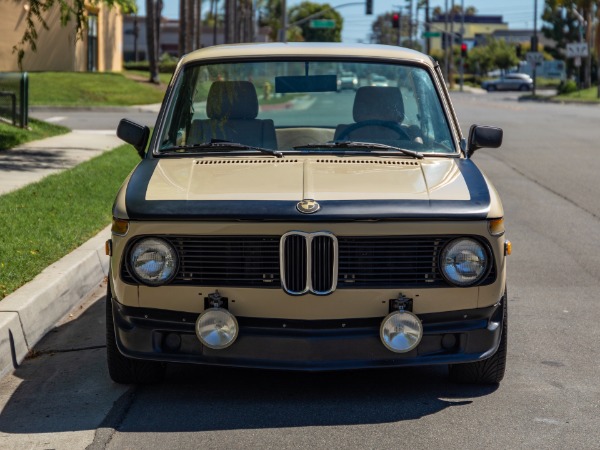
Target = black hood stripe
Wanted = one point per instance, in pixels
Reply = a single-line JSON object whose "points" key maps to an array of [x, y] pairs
{"points": [[138, 208]]}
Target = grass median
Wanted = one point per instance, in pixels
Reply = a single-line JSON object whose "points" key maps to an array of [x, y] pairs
{"points": [[11, 136], [47, 220], [90, 89]]}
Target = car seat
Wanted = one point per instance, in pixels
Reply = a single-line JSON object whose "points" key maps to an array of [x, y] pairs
{"points": [[378, 113], [232, 107]]}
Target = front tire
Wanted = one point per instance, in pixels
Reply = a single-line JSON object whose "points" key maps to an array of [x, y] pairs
{"points": [[488, 371], [125, 370]]}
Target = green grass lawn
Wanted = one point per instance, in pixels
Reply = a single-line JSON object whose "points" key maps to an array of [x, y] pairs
{"points": [[164, 77], [45, 221], [11, 136], [90, 89], [585, 95]]}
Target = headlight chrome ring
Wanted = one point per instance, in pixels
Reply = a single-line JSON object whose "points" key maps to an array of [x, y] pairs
{"points": [[464, 262], [153, 261]]}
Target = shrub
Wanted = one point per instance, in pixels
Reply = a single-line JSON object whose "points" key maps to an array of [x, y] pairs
{"points": [[567, 87]]}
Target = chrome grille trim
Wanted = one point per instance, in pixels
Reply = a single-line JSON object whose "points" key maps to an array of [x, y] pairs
{"points": [[312, 267]]}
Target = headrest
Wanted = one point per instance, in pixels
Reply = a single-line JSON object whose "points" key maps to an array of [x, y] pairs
{"points": [[378, 103], [232, 100]]}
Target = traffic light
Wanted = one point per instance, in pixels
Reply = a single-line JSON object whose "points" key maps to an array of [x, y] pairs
{"points": [[369, 7], [463, 50], [395, 20]]}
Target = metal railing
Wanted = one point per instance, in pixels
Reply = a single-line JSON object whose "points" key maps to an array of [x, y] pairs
{"points": [[14, 98]]}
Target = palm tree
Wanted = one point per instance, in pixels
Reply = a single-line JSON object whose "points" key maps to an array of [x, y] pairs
{"points": [[152, 44]]}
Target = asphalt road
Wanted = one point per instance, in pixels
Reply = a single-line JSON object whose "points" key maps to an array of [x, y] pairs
{"points": [[546, 172]]}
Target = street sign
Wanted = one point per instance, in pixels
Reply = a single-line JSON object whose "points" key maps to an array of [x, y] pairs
{"points": [[430, 34], [577, 49], [322, 23], [534, 58]]}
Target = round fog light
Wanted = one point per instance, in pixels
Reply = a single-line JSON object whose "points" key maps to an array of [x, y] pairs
{"points": [[217, 328], [401, 331]]}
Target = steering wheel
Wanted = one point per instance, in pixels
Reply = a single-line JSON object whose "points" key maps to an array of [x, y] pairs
{"points": [[394, 126]]}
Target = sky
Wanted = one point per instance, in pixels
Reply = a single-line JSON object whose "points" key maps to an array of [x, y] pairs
{"points": [[357, 26]]}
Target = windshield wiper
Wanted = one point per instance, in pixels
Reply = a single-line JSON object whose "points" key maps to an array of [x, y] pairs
{"points": [[365, 145], [222, 145]]}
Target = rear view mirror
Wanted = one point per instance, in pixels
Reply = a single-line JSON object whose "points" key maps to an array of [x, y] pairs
{"points": [[134, 134], [312, 83], [481, 136]]}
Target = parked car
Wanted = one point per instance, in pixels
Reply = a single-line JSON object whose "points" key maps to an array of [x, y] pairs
{"points": [[347, 80], [311, 235], [510, 82], [378, 80]]}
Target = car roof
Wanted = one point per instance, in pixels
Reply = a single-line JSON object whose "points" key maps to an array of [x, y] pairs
{"points": [[307, 49]]}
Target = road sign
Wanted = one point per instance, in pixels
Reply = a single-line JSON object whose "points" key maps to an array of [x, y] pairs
{"points": [[430, 34], [322, 23], [577, 49], [534, 58]]}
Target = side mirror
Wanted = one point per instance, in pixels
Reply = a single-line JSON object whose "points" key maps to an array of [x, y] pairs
{"points": [[481, 136], [134, 134]]}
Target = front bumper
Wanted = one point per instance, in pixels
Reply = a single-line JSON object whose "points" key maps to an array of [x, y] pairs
{"points": [[449, 338]]}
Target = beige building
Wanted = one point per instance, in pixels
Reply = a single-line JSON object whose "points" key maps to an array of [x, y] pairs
{"points": [[98, 48], [474, 26]]}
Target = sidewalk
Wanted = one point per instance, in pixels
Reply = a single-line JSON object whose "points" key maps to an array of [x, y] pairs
{"points": [[30, 312]]}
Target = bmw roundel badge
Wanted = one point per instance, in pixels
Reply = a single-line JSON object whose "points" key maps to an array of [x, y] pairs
{"points": [[308, 206]]}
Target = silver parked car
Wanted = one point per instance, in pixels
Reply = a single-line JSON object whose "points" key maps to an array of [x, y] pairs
{"points": [[510, 82]]}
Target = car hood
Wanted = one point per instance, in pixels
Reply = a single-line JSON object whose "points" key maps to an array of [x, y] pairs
{"points": [[241, 187]]}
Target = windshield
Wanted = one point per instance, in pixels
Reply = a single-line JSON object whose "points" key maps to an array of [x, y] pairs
{"points": [[287, 105]]}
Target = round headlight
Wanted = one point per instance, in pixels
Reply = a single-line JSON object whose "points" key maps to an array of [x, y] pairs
{"points": [[217, 328], [153, 261], [464, 262], [401, 331]]}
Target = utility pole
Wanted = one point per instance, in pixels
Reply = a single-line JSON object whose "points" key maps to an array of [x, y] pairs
{"points": [[446, 58], [410, 23], [534, 44], [284, 24], [428, 40], [453, 36], [462, 37]]}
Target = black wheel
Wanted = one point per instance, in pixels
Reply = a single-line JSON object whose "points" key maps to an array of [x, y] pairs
{"points": [[488, 371], [491, 88], [524, 87], [125, 370]]}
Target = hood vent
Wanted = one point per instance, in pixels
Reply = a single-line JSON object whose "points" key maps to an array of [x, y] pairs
{"points": [[389, 162], [239, 161]]}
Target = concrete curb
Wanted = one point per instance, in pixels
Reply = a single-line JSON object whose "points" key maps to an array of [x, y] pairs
{"points": [[29, 313]]}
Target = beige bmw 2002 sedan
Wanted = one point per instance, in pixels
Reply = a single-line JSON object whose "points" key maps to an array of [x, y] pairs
{"points": [[275, 223]]}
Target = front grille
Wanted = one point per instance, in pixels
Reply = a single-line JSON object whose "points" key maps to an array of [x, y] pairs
{"points": [[294, 264], [389, 261], [323, 263], [237, 261], [362, 262], [308, 262]]}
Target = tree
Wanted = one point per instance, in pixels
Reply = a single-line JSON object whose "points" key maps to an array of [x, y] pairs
{"points": [[306, 9], [497, 54], [564, 26], [152, 40], [70, 10], [382, 31]]}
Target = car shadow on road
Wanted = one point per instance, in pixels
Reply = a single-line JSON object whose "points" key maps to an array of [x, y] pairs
{"points": [[67, 388]]}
